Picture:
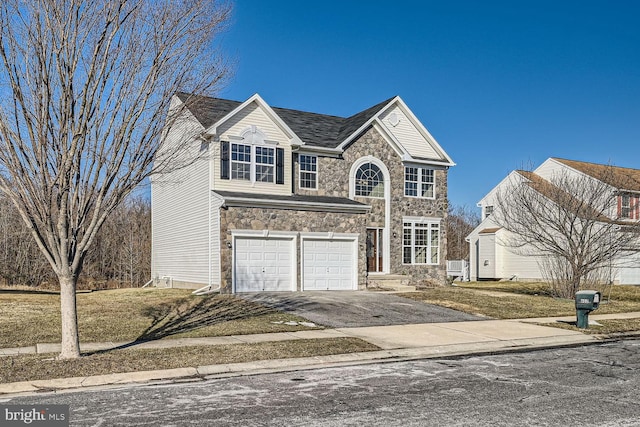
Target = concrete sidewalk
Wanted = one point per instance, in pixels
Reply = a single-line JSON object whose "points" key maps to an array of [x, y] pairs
{"points": [[398, 342]]}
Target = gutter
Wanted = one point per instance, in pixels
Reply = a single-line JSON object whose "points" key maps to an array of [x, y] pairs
{"points": [[295, 205]]}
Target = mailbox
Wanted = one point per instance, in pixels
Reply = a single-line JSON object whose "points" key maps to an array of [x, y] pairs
{"points": [[586, 302]]}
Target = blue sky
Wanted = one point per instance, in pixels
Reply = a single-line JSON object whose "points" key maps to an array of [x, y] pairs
{"points": [[500, 84]]}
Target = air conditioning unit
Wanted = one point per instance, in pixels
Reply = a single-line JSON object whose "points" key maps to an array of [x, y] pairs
{"points": [[165, 282]]}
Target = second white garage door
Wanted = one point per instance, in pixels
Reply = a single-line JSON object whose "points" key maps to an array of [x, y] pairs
{"points": [[329, 264], [264, 264]]}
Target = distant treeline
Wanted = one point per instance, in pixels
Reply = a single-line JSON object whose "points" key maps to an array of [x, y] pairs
{"points": [[119, 257]]}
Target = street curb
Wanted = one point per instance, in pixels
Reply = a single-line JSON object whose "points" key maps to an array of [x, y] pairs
{"points": [[62, 385]]}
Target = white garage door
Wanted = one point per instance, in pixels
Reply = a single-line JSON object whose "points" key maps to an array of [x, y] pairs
{"points": [[630, 276], [630, 270], [264, 264], [329, 265]]}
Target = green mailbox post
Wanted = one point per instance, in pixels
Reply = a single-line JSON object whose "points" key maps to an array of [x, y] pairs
{"points": [[586, 302]]}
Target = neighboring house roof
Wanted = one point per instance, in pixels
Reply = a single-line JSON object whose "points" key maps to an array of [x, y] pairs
{"points": [[618, 177], [561, 197], [315, 129]]}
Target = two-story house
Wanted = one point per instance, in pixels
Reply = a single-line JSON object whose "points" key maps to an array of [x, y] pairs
{"points": [[491, 258], [283, 200]]}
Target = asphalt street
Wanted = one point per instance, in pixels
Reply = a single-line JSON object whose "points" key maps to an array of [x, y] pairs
{"points": [[344, 309], [589, 385]]}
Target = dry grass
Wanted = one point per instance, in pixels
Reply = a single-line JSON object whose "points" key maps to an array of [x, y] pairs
{"points": [[611, 326], [38, 367], [513, 300], [29, 317]]}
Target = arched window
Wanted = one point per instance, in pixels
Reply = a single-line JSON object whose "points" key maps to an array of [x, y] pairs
{"points": [[369, 181]]}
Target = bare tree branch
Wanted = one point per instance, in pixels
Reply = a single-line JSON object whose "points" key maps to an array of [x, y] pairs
{"points": [[86, 88]]}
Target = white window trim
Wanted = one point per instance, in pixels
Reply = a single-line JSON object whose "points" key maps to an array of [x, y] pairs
{"points": [[252, 164], [383, 171], [422, 221], [419, 182], [387, 202], [300, 172]]}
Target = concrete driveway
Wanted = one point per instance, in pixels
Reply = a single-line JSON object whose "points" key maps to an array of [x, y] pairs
{"points": [[347, 309]]}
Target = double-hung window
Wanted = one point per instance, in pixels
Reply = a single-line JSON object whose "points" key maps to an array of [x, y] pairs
{"points": [[308, 171], [628, 206], [255, 163], [419, 182], [421, 241], [241, 162], [488, 210], [265, 161]]}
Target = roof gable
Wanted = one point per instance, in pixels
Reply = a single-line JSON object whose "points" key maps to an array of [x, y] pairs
{"points": [[319, 130]]}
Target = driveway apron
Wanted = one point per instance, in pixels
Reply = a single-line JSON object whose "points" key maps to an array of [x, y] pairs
{"points": [[347, 309]]}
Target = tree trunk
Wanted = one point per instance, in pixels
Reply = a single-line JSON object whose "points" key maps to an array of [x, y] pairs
{"points": [[69, 313]]}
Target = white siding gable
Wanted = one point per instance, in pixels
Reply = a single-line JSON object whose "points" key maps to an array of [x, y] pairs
{"points": [[252, 114], [398, 124], [490, 199]]}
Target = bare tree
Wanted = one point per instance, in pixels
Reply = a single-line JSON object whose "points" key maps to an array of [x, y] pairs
{"points": [[461, 220], [86, 88], [569, 222]]}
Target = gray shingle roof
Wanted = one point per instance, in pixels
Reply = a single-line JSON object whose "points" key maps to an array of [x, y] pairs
{"points": [[319, 130]]}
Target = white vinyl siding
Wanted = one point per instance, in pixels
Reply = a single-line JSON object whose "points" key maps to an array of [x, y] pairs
{"points": [[252, 116], [180, 216], [515, 266], [490, 259], [487, 264], [408, 135]]}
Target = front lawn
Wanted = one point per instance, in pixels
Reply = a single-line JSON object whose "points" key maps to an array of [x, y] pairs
{"points": [[29, 317], [515, 300]]}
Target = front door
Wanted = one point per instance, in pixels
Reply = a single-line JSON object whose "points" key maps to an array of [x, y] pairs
{"points": [[374, 250]]}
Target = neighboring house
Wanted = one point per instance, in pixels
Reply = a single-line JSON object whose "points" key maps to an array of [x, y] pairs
{"points": [[285, 200], [491, 259]]}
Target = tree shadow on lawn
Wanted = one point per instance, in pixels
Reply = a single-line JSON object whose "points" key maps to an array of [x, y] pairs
{"points": [[183, 315]]}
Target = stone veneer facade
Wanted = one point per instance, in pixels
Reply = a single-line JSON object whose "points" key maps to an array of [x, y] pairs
{"points": [[333, 180], [235, 218]]}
